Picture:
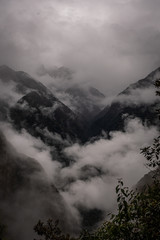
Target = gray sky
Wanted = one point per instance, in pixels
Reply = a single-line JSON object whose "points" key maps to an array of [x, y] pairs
{"points": [[110, 43]]}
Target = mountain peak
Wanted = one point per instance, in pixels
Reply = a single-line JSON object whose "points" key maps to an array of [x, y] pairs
{"points": [[23, 74], [95, 92], [154, 74], [146, 82], [6, 73], [61, 72], [6, 69]]}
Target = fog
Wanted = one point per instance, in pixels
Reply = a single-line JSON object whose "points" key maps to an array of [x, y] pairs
{"points": [[116, 158], [136, 97], [28, 193]]}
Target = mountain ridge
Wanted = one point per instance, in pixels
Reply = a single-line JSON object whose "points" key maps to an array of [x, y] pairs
{"points": [[112, 118]]}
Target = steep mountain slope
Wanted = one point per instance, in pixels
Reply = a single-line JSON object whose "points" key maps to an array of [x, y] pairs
{"points": [[147, 180], [14, 85], [86, 102], [138, 100], [26, 194], [23, 82], [82, 99], [32, 106], [37, 112]]}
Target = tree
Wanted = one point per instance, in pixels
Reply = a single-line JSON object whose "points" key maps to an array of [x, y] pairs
{"points": [[50, 231]]}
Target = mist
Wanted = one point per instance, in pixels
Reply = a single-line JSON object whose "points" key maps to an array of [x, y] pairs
{"points": [[106, 161], [135, 97], [28, 191]]}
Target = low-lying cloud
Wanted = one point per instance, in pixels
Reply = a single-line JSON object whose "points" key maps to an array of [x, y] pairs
{"points": [[33, 147], [29, 187], [90, 179], [8, 92], [116, 158], [139, 96]]}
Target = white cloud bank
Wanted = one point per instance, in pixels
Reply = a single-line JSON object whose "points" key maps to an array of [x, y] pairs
{"points": [[91, 179], [116, 158]]}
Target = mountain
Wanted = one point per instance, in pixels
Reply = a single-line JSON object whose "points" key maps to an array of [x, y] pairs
{"points": [[147, 180], [56, 72], [14, 85], [37, 111], [26, 194], [60, 72], [23, 82], [40, 112], [31, 105], [86, 102], [136, 101]]}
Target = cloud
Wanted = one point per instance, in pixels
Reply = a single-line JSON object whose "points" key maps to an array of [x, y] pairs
{"points": [[107, 43], [116, 158], [33, 147], [8, 93], [137, 97], [90, 179], [28, 192]]}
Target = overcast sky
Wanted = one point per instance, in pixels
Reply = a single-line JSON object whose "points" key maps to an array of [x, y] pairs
{"points": [[110, 43]]}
